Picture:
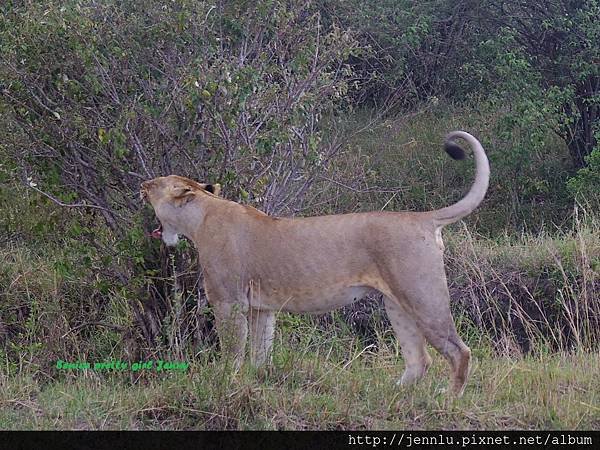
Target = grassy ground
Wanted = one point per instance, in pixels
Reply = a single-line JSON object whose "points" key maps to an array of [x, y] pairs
{"points": [[314, 390]]}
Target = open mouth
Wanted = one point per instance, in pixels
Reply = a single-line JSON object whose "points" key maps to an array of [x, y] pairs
{"points": [[157, 233]]}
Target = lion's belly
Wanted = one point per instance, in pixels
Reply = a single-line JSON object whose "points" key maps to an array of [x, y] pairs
{"points": [[309, 301]]}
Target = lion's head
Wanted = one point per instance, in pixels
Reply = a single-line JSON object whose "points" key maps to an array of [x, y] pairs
{"points": [[169, 196]]}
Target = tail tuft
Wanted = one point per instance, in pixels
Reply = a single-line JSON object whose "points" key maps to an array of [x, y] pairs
{"points": [[454, 150]]}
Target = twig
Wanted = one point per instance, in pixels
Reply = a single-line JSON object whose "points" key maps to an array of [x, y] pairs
{"points": [[388, 202], [77, 205]]}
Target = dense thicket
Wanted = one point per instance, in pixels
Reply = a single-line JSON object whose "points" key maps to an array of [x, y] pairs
{"points": [[103, 95], [538, 63], [100, 95]]}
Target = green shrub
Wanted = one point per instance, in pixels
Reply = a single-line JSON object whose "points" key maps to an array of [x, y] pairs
{"points": [[585, 186]]}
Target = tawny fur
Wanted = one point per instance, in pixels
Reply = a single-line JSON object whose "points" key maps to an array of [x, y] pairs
{"points": [[256, 265]]}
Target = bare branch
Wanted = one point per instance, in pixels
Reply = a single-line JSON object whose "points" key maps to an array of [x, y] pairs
{"points": [[77, 205]]}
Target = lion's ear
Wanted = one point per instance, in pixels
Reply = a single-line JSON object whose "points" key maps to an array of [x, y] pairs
{"points": [[182, 194], [213, 188]]}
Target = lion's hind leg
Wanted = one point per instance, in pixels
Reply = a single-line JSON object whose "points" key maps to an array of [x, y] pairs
{"points": [[429, 302]]}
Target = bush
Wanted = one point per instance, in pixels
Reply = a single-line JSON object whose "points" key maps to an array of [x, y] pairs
{"points": [[112, 93], [584, 185], [100, 96]]}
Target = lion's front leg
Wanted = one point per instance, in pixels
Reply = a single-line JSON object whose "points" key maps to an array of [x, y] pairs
{"points": [[262, 328], [232, 327]]}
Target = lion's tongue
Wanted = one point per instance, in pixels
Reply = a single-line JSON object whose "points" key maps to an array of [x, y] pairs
{"points": [[157, 234]]}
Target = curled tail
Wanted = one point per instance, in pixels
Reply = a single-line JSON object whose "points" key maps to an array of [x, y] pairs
{"points": [[464, 207]]}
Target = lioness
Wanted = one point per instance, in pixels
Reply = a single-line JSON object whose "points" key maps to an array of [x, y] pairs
{"points": [[256, 265]]}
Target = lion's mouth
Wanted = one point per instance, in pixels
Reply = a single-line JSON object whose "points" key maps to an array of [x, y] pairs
{"points": [[157, 233]]}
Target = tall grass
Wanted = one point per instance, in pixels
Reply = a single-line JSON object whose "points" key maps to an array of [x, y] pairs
{"points": [[530, 292], [331, 383]]}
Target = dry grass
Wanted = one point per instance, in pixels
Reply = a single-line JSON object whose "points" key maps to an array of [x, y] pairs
{"points": [[530, 292], [310, 391]]}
